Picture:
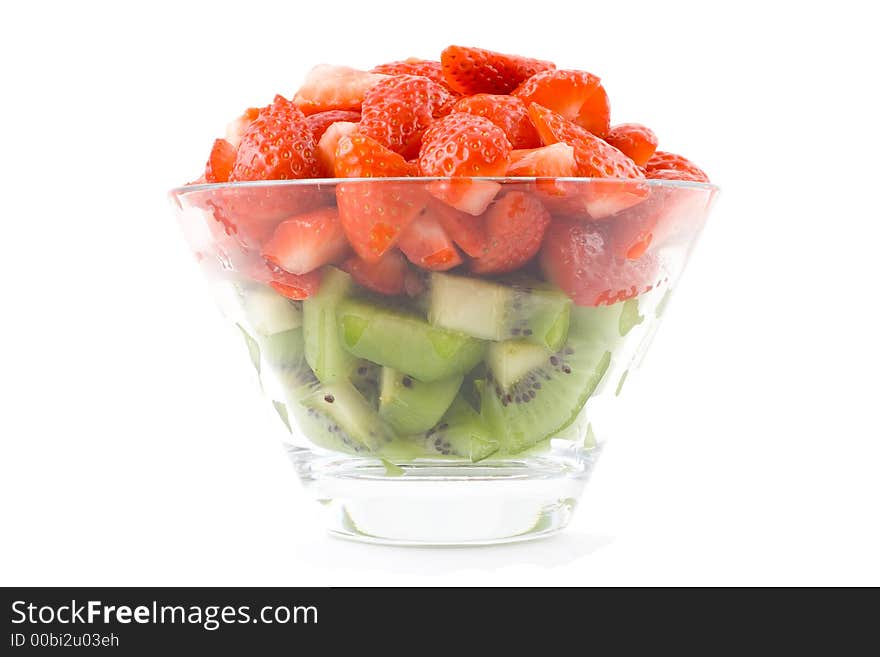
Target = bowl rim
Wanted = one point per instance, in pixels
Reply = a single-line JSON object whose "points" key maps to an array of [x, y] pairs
{"points": [[307, 182]]}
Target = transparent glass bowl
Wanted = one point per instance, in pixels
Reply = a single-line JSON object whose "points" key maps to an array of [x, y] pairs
{"points": [[469, 408]]}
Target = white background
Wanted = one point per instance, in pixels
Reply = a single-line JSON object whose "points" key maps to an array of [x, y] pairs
{"points": [[136, 448]]}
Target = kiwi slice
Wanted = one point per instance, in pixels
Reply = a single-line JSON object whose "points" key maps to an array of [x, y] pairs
{"points": [[547, 398], [412, 406], [461, 432], [404, 341], [365, 378], [341, 411], [283, 349], [534, 312], [324, 352], [267, 311]]}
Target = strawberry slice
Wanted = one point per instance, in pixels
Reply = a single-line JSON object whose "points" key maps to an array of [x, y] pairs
{"points": [[307, 241], [386, 276], [318, 123], [554, 161], [328, 143], [359, 156], [507, 112], [595, 159], [467, 231], [576, 259], [397, 111], [289, 285], [515, 225], [475, 70], [669, 166], [334, 88], [577, 95], [277, 145], [460, 146], [426, 244], [414, 66], [634, 140], [220, 162]]}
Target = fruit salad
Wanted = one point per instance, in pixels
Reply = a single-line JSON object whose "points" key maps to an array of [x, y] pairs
{"points": [[444, 259]]}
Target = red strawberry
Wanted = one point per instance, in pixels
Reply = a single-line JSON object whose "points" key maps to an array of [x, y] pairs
{"points": [[575, 258], [414, 66], [595, 159], [467, 231], [577, 95], [427, 245], [386, 276], [397, 110], [358, 156], [220, 162], [556, 160], [515, 225], [318, 123], [669, 166], [507, 112], [289, 285], [307, 241], [236, 129], [474, 70], [634, 140], [277, 145], [328, 143], [334, 88], [374, 213]]}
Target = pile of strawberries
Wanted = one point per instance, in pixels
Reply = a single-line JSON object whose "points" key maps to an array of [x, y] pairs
{"points": [[475, 114]]}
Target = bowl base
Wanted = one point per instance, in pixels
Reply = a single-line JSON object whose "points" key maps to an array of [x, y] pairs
{"points": [[444, 502]]}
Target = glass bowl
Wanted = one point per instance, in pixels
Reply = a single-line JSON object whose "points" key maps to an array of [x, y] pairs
{"points": [[436, 399]]}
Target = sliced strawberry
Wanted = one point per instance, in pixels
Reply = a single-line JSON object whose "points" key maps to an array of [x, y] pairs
{"points": [[556, 161], [515, 225], [359, 156], [577, 95], [334, 88], [575, 258], [328, 143], [318, 123], [426, 244], [507, 112], [669, 166], [235, 130], [220, 162], [386, 276], [307, 241], [475, 70], [414, 66], [595, 159], [467, 231], [397, 111], [277, 145], [373, 213], [289, 285], [634, 140]]}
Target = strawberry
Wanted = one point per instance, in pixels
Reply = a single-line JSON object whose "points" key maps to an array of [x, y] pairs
{"points": [[634, 140], [334, 88], [318, 123], [277, 145], [289, 285], [328, 143], [307, 241], [414, 66], [576, 259], [595, 159], [515, 225], [359, 156], [507, 112], [374, 213], [386, 276], [474, 70], [577, 95], [220, 162], [669, 166], [236, 129], [426, 244], [397, 110], [467, 231], [556, 161]]}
